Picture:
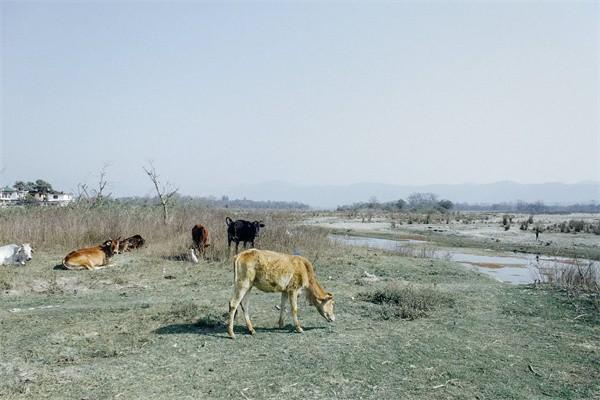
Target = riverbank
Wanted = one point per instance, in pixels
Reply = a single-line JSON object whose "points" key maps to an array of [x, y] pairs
{"points": [[488, 235]]}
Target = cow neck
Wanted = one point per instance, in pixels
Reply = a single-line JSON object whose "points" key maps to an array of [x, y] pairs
{"points": [[314, 291], [107, 251]]}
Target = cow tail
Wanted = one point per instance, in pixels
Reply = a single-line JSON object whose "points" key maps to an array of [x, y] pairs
{"points": [[228, 221]]}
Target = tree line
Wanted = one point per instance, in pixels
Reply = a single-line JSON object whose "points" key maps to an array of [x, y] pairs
{"points": [[537, 207], [416, 202]]}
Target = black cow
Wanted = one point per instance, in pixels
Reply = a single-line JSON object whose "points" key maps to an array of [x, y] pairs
{"points": [[131, 243], [242, 231]]}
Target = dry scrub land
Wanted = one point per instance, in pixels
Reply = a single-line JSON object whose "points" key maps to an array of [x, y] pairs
{"points": [[151, 328]]}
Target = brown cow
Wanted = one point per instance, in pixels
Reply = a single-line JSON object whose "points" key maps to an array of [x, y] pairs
{"points": [[200, 241], [131, 243], [275, 272], [92, 258]]}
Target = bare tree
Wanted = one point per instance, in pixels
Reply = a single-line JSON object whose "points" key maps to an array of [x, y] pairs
{"points": [[82, 192], [165, 192], [98, 192]]}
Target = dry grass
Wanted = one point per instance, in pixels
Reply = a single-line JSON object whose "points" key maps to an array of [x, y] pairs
{"points": [[580, 276], [68, 228], [406, 301]]}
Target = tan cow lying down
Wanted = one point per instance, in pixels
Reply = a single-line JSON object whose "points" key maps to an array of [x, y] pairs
{"points": [[92, 257], [275, 272]]}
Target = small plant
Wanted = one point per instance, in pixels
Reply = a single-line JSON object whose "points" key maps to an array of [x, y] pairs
{"points": [[182, 311], [406, 301], [210, 319]]}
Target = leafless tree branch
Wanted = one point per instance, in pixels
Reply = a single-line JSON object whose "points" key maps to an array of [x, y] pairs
{"points": [[165, 192]]}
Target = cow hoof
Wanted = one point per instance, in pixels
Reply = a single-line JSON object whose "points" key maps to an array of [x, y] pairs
{"points": [[252, 331], [299, 330]]}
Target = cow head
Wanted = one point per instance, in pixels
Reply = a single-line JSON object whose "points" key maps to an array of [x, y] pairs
{"points": [[325, 307], [24, 253], [111, 246], [257, 225]]}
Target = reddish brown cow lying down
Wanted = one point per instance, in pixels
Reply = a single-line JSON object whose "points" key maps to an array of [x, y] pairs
{"points": [[275, 272], [92, 257]]}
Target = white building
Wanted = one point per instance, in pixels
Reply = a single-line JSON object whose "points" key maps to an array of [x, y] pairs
{"points": [[61, 199], [11, 196]]}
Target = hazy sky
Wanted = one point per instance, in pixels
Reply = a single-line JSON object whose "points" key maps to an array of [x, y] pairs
{"points": [[310, 93]]}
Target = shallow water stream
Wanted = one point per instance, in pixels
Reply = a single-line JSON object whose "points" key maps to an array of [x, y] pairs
{"points": [[516, 268]]}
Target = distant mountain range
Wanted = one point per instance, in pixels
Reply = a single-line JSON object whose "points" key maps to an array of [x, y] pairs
{"points": [[330, 196]]}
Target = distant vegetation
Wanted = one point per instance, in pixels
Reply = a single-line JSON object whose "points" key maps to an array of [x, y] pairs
{"points": [[537, 207], [416, 202], [428, 203], [223, 202]]}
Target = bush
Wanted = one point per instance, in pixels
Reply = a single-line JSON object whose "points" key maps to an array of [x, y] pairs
{"points": [[210, 319], [576, 225], [406, 301]]}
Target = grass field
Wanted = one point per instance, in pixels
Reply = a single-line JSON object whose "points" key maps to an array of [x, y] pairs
{"points": [[152, 328]]}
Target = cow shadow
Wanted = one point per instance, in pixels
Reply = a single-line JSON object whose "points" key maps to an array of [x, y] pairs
{"points": [[60, 267], [220, 330]]}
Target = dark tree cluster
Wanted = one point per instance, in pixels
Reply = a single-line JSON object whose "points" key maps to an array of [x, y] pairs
{"points": [[39, 186], [417, 202]]}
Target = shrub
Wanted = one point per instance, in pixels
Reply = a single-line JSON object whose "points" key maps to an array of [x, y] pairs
{"points": [[406, 301], [576, 225], [579, 276], [210, 319]]}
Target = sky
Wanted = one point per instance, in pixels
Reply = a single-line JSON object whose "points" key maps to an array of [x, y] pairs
{"points": [[218, 95]]}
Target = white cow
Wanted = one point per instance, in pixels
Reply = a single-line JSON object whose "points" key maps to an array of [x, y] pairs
{"points": [[15, 254]]}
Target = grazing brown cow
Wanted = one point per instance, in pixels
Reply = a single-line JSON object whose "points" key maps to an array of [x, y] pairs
{"points": [[92, 258], [275, 272], [200, 241], [131, 243]]}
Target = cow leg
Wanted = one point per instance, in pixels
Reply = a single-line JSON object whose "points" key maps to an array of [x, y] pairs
{"points": [[236, 299], [252, 243], [294, 304], [89, 267], [236, 247], [246, 309], [284, 297]]}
